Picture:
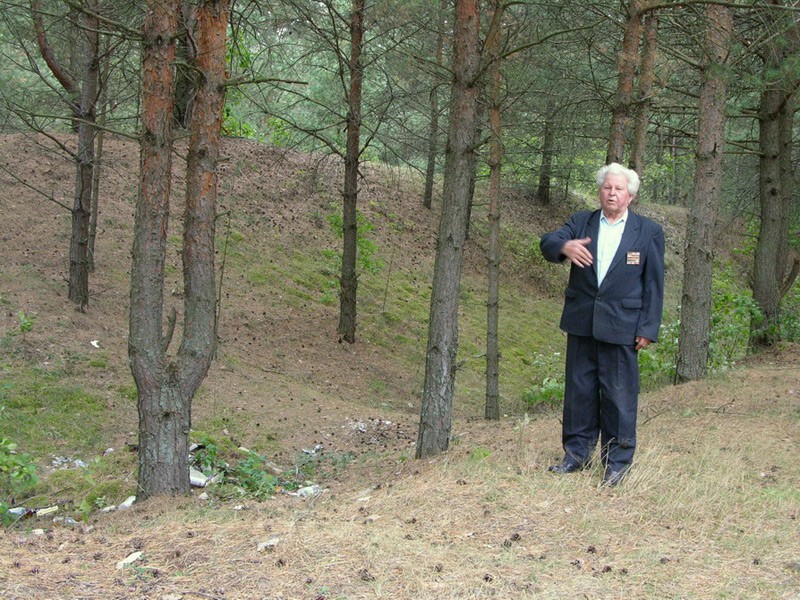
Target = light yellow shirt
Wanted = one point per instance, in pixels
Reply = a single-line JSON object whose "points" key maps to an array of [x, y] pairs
{"points": [[607, 243]]}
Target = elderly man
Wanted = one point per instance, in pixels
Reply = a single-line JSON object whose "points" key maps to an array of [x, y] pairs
{"points": [[612, 309]]}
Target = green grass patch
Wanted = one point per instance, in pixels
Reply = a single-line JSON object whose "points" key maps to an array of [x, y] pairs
{"points": [[48, 417]]}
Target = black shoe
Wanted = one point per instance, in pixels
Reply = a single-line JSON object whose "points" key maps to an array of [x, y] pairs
{"points": [[565, 467], [614, 478]]}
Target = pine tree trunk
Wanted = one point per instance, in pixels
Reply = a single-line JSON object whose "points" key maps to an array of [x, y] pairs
{"points": [[167, 387], [433, 130], [163, 415], [185, 77], [548, 151], [436, 415], [492, 50], [646, 80], [349, 279], [626, 70], [199, 340], [776, 189], [696, 303], [79, 256]]}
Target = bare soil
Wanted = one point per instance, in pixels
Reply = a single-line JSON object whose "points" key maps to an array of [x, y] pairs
{"points": [[709, 512]]}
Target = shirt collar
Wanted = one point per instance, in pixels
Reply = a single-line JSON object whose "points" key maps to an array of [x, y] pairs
{"points": [[622, 219]]}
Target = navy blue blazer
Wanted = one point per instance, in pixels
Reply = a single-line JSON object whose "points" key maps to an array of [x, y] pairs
{"points": [[630, 300]]}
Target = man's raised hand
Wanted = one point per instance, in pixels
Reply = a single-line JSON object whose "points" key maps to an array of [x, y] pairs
{"points": [[577, 251]]}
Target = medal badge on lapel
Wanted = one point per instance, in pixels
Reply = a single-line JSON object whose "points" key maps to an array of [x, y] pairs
{"points": [[633, 258]]}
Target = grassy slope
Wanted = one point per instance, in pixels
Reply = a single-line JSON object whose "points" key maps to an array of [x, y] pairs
{"points": [[706, 514]]}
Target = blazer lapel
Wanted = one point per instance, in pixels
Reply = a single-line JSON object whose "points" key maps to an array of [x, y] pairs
{"points": [[629, 236]]}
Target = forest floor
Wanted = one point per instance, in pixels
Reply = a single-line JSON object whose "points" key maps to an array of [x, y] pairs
{"points": [[710, 510]]}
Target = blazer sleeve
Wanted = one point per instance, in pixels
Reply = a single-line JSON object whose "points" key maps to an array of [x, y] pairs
{"points": [[653, 287], [552, 243]]}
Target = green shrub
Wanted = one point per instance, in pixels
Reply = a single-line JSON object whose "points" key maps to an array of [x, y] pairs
{"points": [[732, 312], [790, 316], [547, 395], [250, 477], [247, 477], [657, 363], [17, 470]]}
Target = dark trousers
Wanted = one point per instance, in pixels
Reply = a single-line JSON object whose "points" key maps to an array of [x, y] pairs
{"points": [[601, 398]]}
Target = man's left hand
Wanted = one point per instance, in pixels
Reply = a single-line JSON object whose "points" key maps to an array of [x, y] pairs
{"points": [[642, 342]]}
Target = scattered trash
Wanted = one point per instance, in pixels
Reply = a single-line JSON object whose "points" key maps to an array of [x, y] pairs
{"points": [[308, 491], [269, 545], [196, 478], [108, 509], [127, 503], [203, 496], [37, 531], [108, 451], [64, 462], [313, 450], [46, 511], [95, 343], [130, 559], [68, 521]]}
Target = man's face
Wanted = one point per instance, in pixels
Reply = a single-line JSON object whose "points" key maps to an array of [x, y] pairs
{"points": [[614, 196]]}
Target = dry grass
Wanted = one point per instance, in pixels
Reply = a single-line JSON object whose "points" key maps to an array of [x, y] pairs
{"points": [[709, 512]]}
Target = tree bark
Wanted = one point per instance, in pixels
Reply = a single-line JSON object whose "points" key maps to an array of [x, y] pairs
{"points": [[163, 419], [644, 101], [548, 151], [433, 130], [696, 303], [199, 340], [167, 386], [473, 170], [82, 98], [102, 105], [185, 77], [492, 51], [79, 256], [435, 418], [349, 278], [776, 189], [626, 71]]}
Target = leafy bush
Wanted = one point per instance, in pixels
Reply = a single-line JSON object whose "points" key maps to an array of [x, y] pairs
{"points": [[657, 363], [790, 316], [251, 478], [547, 395], [25, 322], [247, 477], [732, 312], [17, 471]]}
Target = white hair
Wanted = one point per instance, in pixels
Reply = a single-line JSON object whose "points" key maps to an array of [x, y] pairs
{"points": [[617, 169]]}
